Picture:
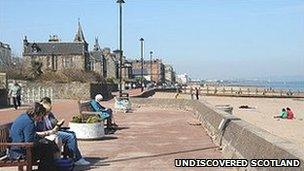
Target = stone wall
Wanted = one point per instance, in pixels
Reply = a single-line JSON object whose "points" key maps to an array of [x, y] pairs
{"points": [[239, 139], [33, 91], [3, 90]]}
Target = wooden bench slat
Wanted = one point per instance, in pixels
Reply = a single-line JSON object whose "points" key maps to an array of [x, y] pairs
{"points": [[4, 142], [17, 144]]}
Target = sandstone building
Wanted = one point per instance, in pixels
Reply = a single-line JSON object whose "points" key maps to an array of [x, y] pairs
{"points": [[5, 55], [154, 70], [56, 55]]}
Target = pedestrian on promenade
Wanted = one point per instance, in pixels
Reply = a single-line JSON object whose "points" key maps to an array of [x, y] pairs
{"points": [[49, 122], [191, 93], [196, 93], [15, 93]]}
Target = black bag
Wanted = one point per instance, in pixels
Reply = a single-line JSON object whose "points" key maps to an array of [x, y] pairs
{"points": [[44, 150]]}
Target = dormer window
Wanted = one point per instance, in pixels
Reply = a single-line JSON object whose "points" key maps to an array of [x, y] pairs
{"points": [[35, 48]]}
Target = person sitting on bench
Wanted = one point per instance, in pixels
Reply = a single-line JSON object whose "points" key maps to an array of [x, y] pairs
{"points": [[106, 113], [67, 137], [23, 130]]}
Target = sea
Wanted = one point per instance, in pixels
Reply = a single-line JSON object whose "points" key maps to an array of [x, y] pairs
{"points": [[280, 85]]}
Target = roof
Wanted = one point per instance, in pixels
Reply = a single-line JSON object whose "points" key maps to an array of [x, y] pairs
{"points": [[96, 55], [79, 37], [56, 48]]}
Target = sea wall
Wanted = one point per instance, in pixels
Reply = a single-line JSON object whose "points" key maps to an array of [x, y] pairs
{"points": [[238, 139]]}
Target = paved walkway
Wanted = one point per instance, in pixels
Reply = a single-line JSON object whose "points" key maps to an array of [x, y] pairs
{"points": [[148, 139]]}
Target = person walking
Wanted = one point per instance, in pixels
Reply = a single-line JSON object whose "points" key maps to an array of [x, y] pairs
{"points": [[15, 93], [191, 93], [196, 93]]}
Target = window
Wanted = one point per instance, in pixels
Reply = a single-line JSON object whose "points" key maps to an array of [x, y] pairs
{"points": [[67, 62]]}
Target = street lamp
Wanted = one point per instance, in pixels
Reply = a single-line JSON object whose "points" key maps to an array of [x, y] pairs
{"points": [[142, 62], [151, 53], [120, 2]]}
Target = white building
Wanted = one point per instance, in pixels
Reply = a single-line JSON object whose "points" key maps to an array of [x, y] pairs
{"points": [[183, 79]]}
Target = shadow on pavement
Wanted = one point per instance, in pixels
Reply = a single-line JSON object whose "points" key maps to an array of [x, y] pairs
{"points": [[123, 127], [160, 155], [95, 162]]}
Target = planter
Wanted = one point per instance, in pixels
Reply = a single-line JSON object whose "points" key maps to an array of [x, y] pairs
{"points": [[88, 131]]}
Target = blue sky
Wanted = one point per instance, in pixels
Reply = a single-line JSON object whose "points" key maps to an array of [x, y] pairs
{"points": [[207, 39]]}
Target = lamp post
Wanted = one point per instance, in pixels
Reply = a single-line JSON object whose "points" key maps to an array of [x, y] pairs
{"points": [[151, 53], [142, 62], [120, 2]]}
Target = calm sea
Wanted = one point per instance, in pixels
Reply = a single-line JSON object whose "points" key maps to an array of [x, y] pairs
{"points": [[282, 85]]}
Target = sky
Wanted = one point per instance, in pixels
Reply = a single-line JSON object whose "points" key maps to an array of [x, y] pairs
{"points": [[207, 39]]}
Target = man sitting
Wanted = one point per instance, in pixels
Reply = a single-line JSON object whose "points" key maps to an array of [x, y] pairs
{"points": [[282, 115], [67, 137], [105, 113]]}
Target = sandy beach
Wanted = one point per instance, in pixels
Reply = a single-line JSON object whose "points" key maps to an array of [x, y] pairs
{"points": [[262, 115]]}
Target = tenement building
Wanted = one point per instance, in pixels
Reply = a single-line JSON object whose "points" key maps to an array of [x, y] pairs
{"points": [[154, 70], [5, 55], [56, 55], [169, 74]]}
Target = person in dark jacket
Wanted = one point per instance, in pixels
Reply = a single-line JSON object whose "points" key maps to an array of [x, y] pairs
{"points": [[49, 122], [196, 93]]}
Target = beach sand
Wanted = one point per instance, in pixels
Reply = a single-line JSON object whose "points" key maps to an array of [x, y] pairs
{"points": [[262, 115]]}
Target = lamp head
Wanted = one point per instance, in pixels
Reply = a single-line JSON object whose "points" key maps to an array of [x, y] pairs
{"points": [[141, 39], [120, 1]]}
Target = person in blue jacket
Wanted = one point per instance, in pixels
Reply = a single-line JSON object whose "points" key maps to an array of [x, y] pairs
{"points": [[105, 113], [23, 130]]}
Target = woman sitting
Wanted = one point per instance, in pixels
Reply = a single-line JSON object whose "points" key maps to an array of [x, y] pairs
{"points": [[105, 113], [23, 130]]}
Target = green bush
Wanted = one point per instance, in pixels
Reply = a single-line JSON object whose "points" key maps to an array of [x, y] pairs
{"points": [[77, 119], [90, 119], [93, 119]]}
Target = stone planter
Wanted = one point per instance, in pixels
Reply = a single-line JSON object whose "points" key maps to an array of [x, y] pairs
{"points": [[88, 131]]}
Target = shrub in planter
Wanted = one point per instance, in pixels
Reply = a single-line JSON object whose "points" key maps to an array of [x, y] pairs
{"points": [[89, 119], [90, 127]]}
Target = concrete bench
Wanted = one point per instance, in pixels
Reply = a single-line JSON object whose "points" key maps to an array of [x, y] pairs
{"points": [[5, 143]]}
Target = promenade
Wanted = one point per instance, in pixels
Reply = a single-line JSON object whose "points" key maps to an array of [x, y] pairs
{"points": [[148, 139]]}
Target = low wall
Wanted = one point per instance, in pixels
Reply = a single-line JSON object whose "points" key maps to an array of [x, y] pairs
{"points": [[239, 139], [3, 98], [34, 91], [146, 94]]}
